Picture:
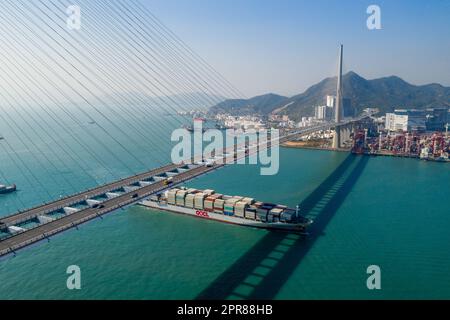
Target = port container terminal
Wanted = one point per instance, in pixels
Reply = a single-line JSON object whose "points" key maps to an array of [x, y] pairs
{"points": [[69, 212]]}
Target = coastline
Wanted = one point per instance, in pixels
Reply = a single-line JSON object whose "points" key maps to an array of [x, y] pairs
{"points": [[295, 145], [304, 145]]}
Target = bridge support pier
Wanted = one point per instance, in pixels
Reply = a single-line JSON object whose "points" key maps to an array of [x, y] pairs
{"points": [[346, 133], [342, 133], [337, 138]]}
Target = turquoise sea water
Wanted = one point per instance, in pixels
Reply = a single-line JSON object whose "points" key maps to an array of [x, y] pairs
{"points": [[389, 212]]}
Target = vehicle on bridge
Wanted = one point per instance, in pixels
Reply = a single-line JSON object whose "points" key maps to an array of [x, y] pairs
{"points": [[168, 181]]}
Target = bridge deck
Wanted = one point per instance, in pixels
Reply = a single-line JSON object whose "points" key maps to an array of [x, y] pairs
{"points": [[43, 231], [31, 213]]}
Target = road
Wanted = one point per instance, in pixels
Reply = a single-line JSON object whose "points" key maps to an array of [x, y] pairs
{"points": [[43, 231], [65, 202]]}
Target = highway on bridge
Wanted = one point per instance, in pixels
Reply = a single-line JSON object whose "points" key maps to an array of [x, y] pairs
{"points": [[44, 231]]}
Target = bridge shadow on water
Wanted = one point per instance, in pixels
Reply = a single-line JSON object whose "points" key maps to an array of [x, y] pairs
{"points": [[264, 269]]}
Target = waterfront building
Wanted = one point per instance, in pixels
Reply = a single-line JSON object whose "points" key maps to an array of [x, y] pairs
{"points": [[437, 118], [433, 119], [406, 120]]}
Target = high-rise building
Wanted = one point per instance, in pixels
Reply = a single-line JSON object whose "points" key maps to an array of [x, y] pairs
{"points": [[346, 106], [331, 101], [323, 113]]}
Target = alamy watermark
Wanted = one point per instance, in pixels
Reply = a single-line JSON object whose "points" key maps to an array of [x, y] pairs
{"points": [[374, 280], [74, 280], [227, 147], [374, 20], [74, 17]]}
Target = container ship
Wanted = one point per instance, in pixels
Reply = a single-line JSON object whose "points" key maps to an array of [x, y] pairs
{"points": [[238, 210]]}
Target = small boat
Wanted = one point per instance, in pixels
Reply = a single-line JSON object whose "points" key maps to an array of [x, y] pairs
{"points": [[192, 129], [221, 126], [7, 189]]}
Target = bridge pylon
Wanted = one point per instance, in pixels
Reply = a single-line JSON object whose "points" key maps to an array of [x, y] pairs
{"points": [[338, 105]]}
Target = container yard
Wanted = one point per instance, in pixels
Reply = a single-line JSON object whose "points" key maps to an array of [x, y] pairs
{"points": [[238, 210], [426, 146]]}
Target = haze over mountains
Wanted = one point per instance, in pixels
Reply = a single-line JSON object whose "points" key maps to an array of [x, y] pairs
{"points": [[386, 93]]}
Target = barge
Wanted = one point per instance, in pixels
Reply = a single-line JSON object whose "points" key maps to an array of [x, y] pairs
{"points": [[208, 204]]}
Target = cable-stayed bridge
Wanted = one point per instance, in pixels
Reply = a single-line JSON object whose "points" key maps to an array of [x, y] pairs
{"points": [[81, 100], [71, 211]]}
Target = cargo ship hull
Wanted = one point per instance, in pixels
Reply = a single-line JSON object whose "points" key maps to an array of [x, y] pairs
{"points": [[291, 227]]}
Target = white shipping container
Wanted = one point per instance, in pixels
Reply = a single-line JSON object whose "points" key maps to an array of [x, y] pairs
{"points": [[241, 204], [198, 200], [231, 201], [249, 200], [198, 204], [208, 204], [250, 215], [239, 212]]}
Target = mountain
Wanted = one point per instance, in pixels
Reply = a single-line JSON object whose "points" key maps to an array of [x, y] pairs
{"points": [[179, 102], [386, 93], [260, 105]]}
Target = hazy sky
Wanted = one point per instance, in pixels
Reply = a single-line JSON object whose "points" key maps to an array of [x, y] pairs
{"points": [[284, 46]]}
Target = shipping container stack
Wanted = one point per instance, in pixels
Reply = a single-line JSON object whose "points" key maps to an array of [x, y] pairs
{"points": [[181, 195], [228, 208], [288, 216], [250, 213], [262, 212], [155, 197], [218, 205], [208, 192], [199, 200], [171, 196], [189, 201], [243, 206], [275, 215], [237, 206], [209, 202], [239, 209]]}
